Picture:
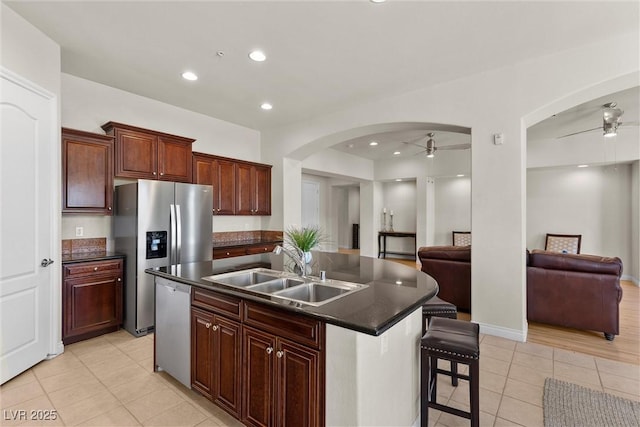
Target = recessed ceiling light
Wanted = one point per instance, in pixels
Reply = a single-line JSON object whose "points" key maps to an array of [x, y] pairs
{"points": [[377, 1], [266, 106], [350, 145], [373, 143], [257, 55], [395, 153], [398, 282], [460, 175], [583, 166], [398, 179], [189, 75]]}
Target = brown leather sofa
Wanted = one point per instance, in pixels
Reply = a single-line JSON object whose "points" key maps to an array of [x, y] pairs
{"points": [[450, 266], [576, 291]]}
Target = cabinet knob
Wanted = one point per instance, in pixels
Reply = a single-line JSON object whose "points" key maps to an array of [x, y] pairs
{"points": [[228, 253], [154, 173], [218, 209], [215, 327], [280, 353], [119, 279], [269, 350], [95, 268], [207, 325], [109, 208], [161, 173]]}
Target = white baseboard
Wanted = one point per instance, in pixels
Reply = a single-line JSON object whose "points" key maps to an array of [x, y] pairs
{"points": [[499, 331], [631, 279], [59, 349]]}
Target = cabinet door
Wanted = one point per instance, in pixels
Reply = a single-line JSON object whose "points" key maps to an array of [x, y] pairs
{"points": [[299, 379], [136, 154], [262, 204], [91, 304], [174, 159], [245, 191], [227, 374], [259, 387], [202, 170], [224, 187], [201, 351], [87, 173]]}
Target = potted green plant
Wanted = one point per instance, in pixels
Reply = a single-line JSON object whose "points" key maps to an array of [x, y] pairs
{"points": [[303, 240]]}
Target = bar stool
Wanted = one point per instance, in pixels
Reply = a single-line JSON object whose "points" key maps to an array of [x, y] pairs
{"points": [[454, 341], [437, 307]]}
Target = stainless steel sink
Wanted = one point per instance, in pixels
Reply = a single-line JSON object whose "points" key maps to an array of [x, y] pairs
{"points": [[287, 286], [242, 279], [276, 285]]}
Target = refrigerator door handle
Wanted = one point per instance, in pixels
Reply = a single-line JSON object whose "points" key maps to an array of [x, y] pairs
{"points": [[172, 220], [178, 234]]}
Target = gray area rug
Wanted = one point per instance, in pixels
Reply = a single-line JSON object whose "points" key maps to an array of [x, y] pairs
{"points": [[567, 404]]}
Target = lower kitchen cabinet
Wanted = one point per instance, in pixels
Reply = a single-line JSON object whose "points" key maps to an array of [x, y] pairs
{"points": [[91, 299], [281, 382], [215, 359], [262, 365]]}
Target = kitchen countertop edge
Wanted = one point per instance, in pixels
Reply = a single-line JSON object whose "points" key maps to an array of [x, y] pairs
{"points": [[376, 331]]}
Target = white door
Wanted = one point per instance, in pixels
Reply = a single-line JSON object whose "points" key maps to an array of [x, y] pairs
{"points": [[310, 204], [27, 137]]}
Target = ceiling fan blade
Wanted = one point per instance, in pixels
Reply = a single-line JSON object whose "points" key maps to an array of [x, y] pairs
{"points": [[578, 133], [414, 142], [455, 147], [629, 124]]}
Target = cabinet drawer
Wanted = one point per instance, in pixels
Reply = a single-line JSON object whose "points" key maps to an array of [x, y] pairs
{"points": [[85, 268], [295, 327], [215, 302], [259, 249], [228, 253]]}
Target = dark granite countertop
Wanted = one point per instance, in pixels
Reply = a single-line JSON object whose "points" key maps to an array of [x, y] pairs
{"points": [[90, 256], [394, 290], [241, 243]]}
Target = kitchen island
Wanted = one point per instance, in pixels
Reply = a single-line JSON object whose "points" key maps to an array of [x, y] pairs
{"points": [[362, 348]]}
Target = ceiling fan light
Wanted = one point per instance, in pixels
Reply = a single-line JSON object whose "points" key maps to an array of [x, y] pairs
{"points": [[610, 129]]}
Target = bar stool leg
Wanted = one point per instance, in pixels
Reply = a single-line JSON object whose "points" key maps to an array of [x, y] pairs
{"points": [[454, 371], [474, 393], [433, 378]]}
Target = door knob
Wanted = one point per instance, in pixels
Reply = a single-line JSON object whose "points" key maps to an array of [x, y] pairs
{"points": [[46, 262]]}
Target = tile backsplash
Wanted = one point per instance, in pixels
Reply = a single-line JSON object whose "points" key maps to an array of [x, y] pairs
{"points": [[77, 246]]}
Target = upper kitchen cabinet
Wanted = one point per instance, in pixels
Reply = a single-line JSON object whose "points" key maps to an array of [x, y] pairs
{"points": [[220, 173], [148, 154], [87, 172], [239, 187], [253, 192]]}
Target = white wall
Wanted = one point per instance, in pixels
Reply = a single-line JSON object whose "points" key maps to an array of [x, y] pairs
{"points": [[452, 206], [400, 197], [506, 100], [595, 202], [87, 105]]}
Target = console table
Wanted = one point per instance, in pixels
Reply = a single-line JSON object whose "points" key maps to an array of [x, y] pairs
{"points": [[382, 243]]}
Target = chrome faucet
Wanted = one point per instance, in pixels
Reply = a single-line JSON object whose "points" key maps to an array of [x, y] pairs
{"points": [[297, 257]]}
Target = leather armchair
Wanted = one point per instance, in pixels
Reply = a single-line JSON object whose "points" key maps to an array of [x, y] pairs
{"points": [[576, 291], [450, 266]]}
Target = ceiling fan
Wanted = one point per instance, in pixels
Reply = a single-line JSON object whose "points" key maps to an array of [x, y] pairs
{"points": [[611, 121], [431, 147]]}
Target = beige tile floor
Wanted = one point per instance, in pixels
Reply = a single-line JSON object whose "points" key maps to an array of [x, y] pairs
{"points": [[108, 381]]}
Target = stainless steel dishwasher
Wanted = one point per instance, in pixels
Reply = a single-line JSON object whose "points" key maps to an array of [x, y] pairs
{"points": [[173, 329]]}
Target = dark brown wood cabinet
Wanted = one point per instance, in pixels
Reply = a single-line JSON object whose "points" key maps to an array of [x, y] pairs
{"points": [[229, 252], [220, 173], [91, 299], [262, 365], [283, 368], [147, 154], [239, 187], [216, 350], [253, 192], [87, 172]]}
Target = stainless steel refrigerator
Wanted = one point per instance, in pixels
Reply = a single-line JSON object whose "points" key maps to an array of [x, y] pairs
{"points": [[158, 223]]}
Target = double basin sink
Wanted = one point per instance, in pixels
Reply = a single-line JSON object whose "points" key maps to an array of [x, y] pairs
{"points": [[288, 287]]}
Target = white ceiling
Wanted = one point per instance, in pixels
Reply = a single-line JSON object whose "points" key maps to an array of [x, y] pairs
{"points": [[322, 56]]}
